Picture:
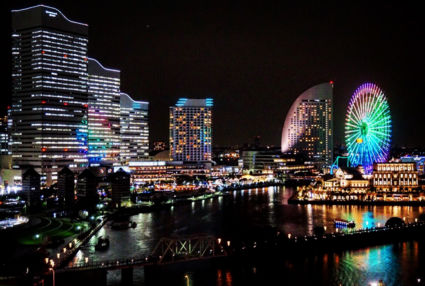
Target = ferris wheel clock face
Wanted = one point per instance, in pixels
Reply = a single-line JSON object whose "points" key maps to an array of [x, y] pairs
{"points": [[368, 127]]}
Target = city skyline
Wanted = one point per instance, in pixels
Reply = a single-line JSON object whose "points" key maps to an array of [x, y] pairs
{"points": [[256, 186], [256, 62]]}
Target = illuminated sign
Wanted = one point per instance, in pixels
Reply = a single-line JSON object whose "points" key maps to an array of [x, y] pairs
{"points": [[51, 13]]}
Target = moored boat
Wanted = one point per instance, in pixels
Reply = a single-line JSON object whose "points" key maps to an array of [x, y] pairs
{"points": [[344, 223], [102, 243]]}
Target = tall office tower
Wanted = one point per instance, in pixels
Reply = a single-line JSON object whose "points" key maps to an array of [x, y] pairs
{"points": [[49, 91], [4, 136], [134, 129], [191, 130], [308, 127], [103, 115]]}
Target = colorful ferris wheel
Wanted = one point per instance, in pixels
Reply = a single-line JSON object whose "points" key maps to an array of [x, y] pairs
{"points": [[368, 127]]}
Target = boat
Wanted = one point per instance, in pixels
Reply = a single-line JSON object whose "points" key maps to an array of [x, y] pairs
{"points": [[102, 243], [120, 224], [344, 223], [124, 224]]}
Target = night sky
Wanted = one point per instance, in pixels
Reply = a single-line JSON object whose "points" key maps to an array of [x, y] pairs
{"points": [[253, 59]]}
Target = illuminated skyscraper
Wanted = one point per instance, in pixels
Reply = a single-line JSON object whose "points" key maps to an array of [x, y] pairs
{"points": [[103, 114], [308, 127], [134, 129], [191, 130], [49, 92], [4, 136]]}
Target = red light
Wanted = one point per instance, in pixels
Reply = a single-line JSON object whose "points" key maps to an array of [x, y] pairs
{"points": [[86, 105], [43, 52], [85, 59], [331, 82], [65, 55], [65, 149], [65, 103], [8, 107], [43, 149], [43, 102]]}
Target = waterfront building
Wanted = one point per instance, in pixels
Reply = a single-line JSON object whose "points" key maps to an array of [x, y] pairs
{"points": [[120, 187], [259, 161], [143, 172], [31, 187], [87, 189], [66, 192], [348, 180], [191, 130], [395, 177], [103, 114], [49, 91], [134, 129], [418, 160], [308, 127]]}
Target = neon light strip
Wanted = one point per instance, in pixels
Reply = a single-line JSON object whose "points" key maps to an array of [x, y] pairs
{"points": [[48, 7], [106, 69], [135, 101]]}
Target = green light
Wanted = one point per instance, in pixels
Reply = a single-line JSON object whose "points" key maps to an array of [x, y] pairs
{"points": [[368, 127]]}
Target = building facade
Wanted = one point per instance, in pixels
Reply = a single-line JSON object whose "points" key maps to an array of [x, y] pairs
{"points": [[308, 127], [103, 114], [120, 187], [134, 129], [66, 187], [49, 91], [418, 160], [191, 130], [395, 177], [4, 136], [143, 172], [31, 187]]}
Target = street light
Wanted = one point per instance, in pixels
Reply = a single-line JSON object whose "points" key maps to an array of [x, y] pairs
{"points": [[187, 279], [53, 274]]}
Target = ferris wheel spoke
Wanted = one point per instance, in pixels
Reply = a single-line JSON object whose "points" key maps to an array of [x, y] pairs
{"points": [[355, 113], [379, 110], [383, 120]]}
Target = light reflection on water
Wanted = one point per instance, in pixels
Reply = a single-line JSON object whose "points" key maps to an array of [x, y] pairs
{"points": [[234, 215]]}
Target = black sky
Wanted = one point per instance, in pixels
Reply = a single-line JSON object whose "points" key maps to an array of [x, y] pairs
{"points": [[253, 59]]}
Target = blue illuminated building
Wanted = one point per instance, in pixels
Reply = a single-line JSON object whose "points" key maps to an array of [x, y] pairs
{"points": [[191, 130]]}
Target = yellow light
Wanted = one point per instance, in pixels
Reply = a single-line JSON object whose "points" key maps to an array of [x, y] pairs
{"points": [[359, 140]]}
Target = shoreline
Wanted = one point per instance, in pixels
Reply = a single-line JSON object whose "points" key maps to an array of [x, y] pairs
{"points": [[357, 202]]}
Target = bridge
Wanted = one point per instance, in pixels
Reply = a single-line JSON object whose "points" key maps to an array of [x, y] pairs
{"points": [[167, 251], [176, 250]]}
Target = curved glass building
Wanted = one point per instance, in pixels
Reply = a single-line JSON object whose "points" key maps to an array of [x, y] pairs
{"points": [[308, 127]]}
